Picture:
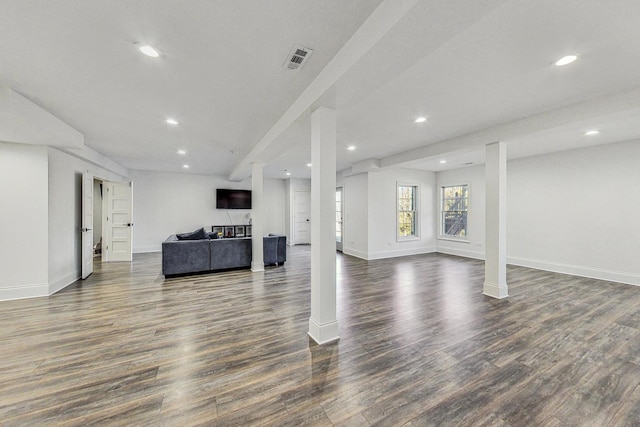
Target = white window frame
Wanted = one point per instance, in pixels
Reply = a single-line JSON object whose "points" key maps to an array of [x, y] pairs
{"points": [[416, 211], [441, 235]]}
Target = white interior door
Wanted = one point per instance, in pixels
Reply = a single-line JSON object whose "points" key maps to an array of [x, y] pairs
{"points": [[119, 221], [339, 231], [302, 217], [87, 225]]}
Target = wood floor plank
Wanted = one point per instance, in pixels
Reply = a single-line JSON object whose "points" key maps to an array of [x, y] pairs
{"points": [[420, 345]]}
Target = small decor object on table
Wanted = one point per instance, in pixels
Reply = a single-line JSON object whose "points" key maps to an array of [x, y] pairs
{"points": [[239, 231], [229, 232]]}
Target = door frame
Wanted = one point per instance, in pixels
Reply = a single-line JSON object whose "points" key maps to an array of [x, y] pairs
{"points": [[295, 223], [339, 244]]}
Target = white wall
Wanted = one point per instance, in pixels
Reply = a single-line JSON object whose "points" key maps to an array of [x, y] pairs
{"points": [[474, 177], [274, 205], [577, 212], [168, 203], [23, 221], [64, 214], [355, 215], [573, 212], [382, 213]]}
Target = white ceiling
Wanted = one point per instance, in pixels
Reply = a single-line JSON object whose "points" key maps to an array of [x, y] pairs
{"points": [[479, 70]]}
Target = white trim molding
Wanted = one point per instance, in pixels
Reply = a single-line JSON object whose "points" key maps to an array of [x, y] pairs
{"points": [[355, 253], [401, 252], [590, 272], [60, 284], [461, 252], [323, 334], [24, 291]]}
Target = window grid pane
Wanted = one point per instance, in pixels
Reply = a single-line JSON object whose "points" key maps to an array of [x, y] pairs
{"points": [[455, 204], [406, 211]]}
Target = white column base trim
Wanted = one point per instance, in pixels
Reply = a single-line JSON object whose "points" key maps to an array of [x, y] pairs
{"points": [[257, 266], [323, 334], [495, 291]]}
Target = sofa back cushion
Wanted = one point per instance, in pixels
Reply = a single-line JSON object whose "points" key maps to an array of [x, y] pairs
{"points": [[199, 234]]}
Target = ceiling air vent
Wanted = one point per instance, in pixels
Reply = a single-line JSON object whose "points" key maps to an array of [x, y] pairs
{"points": [[297, 57]]}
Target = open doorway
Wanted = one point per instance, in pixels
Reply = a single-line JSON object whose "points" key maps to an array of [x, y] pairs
{"points": [[98, 197]]}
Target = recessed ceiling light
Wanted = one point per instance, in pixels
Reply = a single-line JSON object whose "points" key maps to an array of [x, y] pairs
{"points": [[149, 50], [172, 121], [288, 173], [420, 120], [185, 166], [182, 152], [442, 162], [308, 165], [351, 148], [566, 60], [592, 132]]}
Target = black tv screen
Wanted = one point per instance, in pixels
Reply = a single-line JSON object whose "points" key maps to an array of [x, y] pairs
{"points": [[233, 199]]}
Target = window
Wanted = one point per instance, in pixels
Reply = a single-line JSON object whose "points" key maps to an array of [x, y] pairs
{"points": [[455, 206], [407, 212]]}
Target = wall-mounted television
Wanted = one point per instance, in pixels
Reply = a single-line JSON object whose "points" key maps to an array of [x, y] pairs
{"points": [[233, 199]]}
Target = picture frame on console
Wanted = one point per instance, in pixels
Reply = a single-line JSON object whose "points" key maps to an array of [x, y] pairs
{"points": [[229, 232], [247, 231], [239, 231], [218, 230]]}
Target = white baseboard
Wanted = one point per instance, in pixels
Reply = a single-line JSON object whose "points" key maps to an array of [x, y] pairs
{"points": [[323, 333], [401, 252], [593, 273], [146, 249], [355, 253], [24, 291], [58, 285], [495, 290], [461, 252]]}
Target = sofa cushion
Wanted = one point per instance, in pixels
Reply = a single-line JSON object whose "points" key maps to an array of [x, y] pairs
{"points": [[199, 234]]}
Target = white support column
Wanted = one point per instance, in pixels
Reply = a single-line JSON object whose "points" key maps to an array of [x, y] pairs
{"points": [[495, 267], [323, 324], [257, 215]]}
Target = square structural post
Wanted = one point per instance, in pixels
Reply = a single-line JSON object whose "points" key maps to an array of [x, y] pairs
{"points": [[495, 265], [257, 207], [323, 324]]}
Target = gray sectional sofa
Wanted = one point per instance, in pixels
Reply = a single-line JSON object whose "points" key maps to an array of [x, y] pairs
{"points": [[210, 254]]}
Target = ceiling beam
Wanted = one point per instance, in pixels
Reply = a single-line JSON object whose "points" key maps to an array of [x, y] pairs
{"points": [[592, 108], [24, 122], [374, 28]]}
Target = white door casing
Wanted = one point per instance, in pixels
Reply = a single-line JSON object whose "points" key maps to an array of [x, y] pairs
{"points": [[302, 217], [119, 221], [87, 225], [339, 223]]}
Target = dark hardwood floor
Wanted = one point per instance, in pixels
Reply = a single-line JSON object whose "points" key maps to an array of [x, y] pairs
{"points": [[420, 346]]}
